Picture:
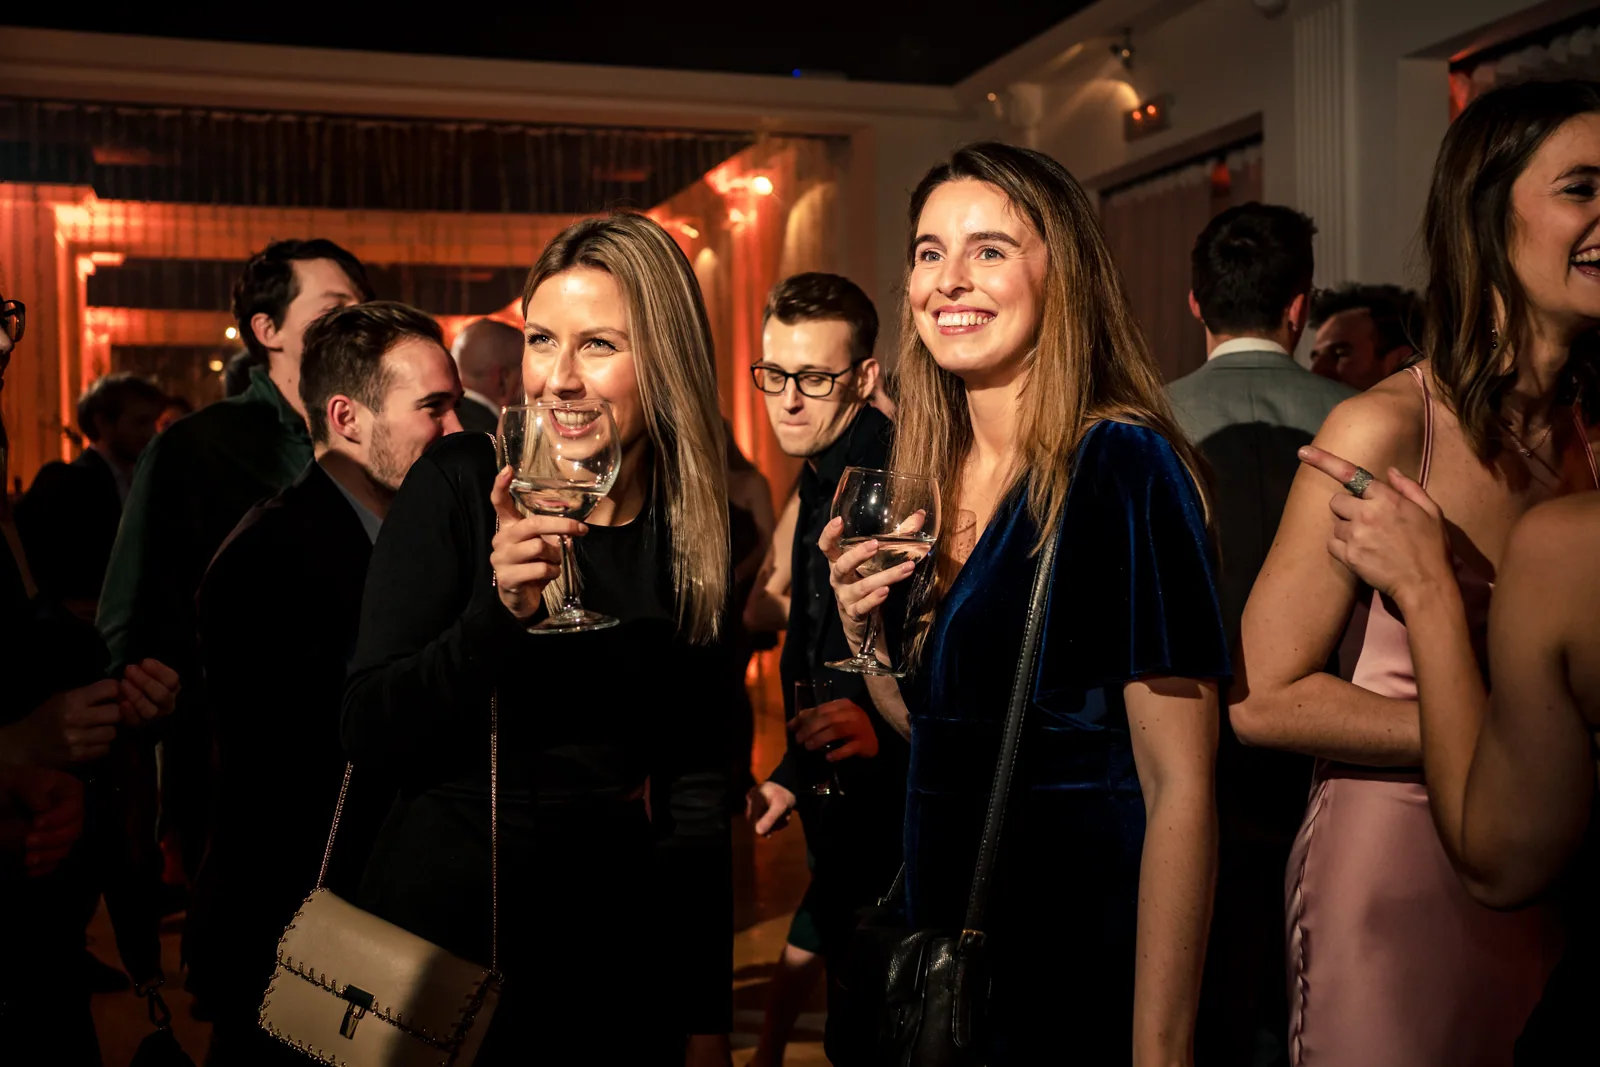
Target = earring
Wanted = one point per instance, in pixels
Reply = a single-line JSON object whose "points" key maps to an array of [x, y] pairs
{"points": [[1494, 339]]}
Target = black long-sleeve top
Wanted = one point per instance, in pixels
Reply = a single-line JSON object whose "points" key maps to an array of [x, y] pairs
{"points": [[586, 720]]}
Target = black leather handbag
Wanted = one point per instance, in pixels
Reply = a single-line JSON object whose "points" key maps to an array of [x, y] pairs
{"points": [[920, 998]]}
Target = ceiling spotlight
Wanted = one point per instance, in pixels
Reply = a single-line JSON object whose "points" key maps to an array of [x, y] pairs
{"points": [[1122, 50]]}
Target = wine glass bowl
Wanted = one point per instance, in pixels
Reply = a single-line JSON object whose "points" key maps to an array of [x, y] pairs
{"points": [[901, 513], [564, 457]]}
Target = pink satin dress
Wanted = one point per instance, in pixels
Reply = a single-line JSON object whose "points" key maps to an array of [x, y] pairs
{"points": [[1390, 962]]}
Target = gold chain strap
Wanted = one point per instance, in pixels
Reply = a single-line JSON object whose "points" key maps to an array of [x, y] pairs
{"points": [[338, 810]]}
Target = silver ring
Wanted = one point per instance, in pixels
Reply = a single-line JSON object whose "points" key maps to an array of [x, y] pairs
{"points": [[1358, 482]]}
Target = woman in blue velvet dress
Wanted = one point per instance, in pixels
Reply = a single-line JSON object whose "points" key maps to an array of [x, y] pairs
{"points": [[1028, 392]]}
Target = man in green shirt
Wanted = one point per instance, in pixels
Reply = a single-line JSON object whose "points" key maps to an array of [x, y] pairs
{"points": [[193, 485]]}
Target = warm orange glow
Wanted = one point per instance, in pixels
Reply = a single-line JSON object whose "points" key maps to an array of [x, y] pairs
{"points": [[761, 185], [1138, 116], [215, 365], [1150, 109], [108, 259]]}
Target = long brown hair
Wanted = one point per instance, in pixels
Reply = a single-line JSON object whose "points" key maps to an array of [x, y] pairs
{"points": [[1466, 233], [672, 348], [1089, 362]]}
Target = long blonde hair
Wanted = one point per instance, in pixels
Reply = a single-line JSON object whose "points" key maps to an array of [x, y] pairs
{"points": [[672, 349], [1090, 362]]}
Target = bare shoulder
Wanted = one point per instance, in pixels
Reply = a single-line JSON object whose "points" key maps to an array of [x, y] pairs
{"points": [[1380, 428], [1564, 532]]}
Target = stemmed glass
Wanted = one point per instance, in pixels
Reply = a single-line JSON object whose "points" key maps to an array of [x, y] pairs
{"points": [[901, 513], [564, 457]]}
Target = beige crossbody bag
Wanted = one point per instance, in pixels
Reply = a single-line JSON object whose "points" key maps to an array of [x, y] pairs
{"points": [[351, 990]]}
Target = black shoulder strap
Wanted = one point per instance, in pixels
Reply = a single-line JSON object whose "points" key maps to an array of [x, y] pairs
{"points": [[1010, 739]]}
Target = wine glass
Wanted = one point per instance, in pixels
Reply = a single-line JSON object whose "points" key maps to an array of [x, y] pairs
{"points": [[564, 457], [901, 513], [819, 775]]}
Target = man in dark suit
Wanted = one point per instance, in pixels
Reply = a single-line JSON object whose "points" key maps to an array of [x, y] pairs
{"points": [[488, 356], [818, 375], [278, 613], [68, 519], [1249, 408]]}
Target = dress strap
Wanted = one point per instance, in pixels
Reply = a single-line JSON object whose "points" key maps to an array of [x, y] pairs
{"points": [[1427, 427]]}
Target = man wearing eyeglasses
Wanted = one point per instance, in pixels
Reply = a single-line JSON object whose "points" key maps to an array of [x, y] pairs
{"points": [[819, 380]]}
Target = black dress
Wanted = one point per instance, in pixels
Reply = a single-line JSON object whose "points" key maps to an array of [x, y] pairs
{"points": [[615, 880]]}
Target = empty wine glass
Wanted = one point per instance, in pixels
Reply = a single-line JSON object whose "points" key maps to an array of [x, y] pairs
{"points": [[564, 457], [901, 513]]}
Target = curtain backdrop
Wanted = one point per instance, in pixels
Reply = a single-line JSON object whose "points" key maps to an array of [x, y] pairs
{"points": [[123, 228], [1151, 226], [1561, 52]]}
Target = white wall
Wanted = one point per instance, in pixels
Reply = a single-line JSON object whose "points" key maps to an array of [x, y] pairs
{"points": [[1382, 67]]}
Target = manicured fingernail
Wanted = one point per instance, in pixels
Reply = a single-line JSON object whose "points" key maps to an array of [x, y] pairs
{"points": [[908, 566]]}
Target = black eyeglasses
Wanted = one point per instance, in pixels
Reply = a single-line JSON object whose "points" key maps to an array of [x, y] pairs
{"points": [[813, 383], [13, 317]]}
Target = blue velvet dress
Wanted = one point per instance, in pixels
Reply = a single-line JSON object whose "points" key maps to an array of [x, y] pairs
{"points": [[1133, 595]]}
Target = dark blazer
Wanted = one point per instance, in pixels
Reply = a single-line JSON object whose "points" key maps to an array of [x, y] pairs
{"points": [[1249, 412], [68, 523], [278, 611], [476, 417]]}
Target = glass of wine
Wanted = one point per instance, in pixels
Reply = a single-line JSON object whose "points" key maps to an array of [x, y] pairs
{"points": [[817, 773], [901, 513], [564, 456]]}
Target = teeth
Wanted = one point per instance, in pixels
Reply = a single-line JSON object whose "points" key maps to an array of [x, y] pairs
{"points": [[964, 318], [1588, 255], [573, 419]]}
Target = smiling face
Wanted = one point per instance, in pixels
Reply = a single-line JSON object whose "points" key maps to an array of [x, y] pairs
{"points": [[418, 408], [1555, 232], [578, 347], [977, 282]]}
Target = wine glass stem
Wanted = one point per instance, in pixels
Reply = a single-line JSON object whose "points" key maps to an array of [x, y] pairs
{"points": [[569, 579], [869, 640]]}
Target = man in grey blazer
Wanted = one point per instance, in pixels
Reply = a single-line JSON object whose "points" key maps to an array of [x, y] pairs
{"points": [[488, 356], [1248, 409]]}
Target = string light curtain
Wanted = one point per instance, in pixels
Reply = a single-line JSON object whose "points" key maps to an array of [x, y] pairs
{"points": [[448, 215], [1151, 225]]}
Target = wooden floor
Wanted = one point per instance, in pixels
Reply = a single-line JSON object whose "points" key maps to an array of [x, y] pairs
{"points": [[769, 879]]}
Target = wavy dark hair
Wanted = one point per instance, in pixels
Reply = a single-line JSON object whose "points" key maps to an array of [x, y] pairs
{"points": [[1466, 234]]}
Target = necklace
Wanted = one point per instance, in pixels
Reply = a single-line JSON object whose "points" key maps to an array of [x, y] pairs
{"points": [[1523, 447]]}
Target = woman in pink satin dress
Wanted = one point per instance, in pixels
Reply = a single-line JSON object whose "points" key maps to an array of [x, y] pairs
{"points": [[1391, 963]]}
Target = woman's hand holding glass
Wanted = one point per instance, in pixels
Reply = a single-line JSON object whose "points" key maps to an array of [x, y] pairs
{"points": [[526, 552], [857, 597]]}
